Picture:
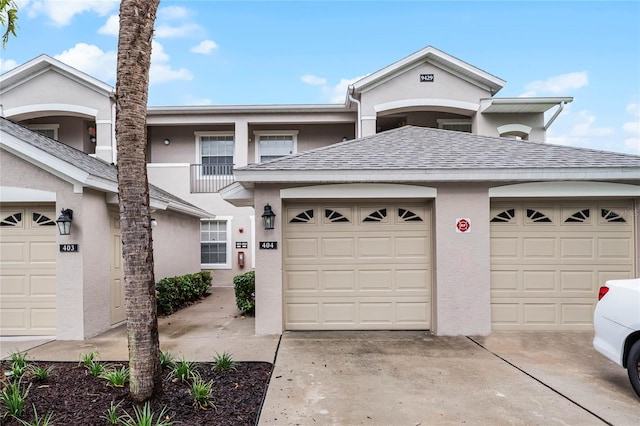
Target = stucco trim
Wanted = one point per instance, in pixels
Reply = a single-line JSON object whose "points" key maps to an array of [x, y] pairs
{"points": [[248, 177], [511, 128], [70, 108], [427, 102], [237, 195], [11, 194], [565, 190], [359, 190]]}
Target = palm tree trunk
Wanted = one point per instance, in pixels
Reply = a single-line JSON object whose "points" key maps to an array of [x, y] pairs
{"points": [[137, 18]]}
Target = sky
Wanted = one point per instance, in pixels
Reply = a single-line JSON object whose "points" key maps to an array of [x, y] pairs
{"points": [[210, 52]]}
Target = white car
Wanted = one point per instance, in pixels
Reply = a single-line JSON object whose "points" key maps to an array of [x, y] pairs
{"points": [[617, 326]]}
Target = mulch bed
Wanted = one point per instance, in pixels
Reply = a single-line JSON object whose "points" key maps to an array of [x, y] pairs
{"points": [[77, 398]]}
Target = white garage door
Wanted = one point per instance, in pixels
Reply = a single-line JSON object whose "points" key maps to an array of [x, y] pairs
{"points": [[548, 260], [357, 266], [27, 271]]}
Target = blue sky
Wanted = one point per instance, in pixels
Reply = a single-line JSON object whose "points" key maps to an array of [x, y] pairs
{"points": [[241, 52]]}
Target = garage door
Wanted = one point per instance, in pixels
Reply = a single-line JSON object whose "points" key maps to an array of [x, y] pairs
{"points": [[27, 271], [357, 266], [549, 259]]}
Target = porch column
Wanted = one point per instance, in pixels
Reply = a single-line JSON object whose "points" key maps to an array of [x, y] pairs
{"points": [[104, 141], [241, 144]]}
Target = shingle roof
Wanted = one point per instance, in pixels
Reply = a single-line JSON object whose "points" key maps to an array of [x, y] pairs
{"points": [[79, 159], [420, 148]]}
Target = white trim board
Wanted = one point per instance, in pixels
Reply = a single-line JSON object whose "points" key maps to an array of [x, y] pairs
{"points": [[359, 190], [565, 190]]}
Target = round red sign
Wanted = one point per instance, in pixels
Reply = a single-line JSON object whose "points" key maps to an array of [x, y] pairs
{"points": [[463, 225]]}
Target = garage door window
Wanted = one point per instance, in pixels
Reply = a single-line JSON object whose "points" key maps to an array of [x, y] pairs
{"points": [[611, 216], [12, 220], [42, 220], [580, 216]]}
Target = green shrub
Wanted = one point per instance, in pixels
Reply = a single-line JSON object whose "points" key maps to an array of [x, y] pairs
{"points": [[245, 288], [177, 292]]}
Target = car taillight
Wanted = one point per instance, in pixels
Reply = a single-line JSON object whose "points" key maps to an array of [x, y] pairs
{"points": [[603, 290]]}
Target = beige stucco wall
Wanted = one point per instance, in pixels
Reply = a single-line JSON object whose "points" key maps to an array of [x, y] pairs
{"points": [[407, 86], [53, 88], [462, 282], [487, 124], [269, 266], [91, 231], [176, 244]]}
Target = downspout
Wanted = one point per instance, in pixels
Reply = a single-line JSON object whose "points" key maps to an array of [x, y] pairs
{"points": [[553, 118], [357, 102], [114, 145]]}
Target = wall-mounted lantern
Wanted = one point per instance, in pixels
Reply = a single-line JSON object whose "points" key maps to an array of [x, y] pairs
{"points": [[268, 217], [167, 141], [64, 222]]}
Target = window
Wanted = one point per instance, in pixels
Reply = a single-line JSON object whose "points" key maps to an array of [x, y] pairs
{"points": [[215, 249], [48, 130], [272, 145], [456, 125], [215, 154]]}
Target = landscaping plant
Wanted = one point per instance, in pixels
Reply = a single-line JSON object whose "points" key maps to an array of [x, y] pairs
{"points": [[37, 420], [41, 373], [97, 369], [245, 289], [167, 359], [12, 397], [19, 364], [201, 392], [116, 377], [145, 417], [183, 370], [224, 362], [111, 416]]}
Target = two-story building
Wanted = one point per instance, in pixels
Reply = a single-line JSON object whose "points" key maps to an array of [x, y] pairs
{"points": [[424, 201]]}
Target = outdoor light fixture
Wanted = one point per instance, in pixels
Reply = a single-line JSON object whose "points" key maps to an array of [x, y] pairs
{"points": [[64, 222], [268, 217], [167, 141], [154, 223]]}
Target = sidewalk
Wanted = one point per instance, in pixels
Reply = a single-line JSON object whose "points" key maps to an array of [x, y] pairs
{"points": [[197, 332]]}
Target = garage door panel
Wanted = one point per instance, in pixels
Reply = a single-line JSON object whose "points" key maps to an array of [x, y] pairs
{"points": [[302, 281], [577, 248], [373, 267], [548, 261], [15, 252], [42, 252], [615, 248], [14, 285], [539, 248], [338, 280], [301, 248]]}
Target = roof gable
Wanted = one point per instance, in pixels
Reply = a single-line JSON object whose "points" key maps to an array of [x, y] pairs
{"points": [[43, 63], [76, 166], [437, 58]]}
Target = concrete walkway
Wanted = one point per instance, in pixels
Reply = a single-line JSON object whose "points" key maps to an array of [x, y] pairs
{"points": [[197, 332], [414, 378]]}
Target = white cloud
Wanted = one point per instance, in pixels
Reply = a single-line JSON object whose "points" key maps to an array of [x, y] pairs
{"points": [[7, 64], [111, 27], [584, 126], [173, 12], [314, 80], [161, 71], [165, 31], [632, 128], [334, 94], [191, 100], [60, 12], [91, 60], [205, 47], [338, 93], [558, 85]]}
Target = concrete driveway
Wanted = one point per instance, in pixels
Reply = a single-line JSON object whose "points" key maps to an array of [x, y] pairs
{"points": [[414, 378]]}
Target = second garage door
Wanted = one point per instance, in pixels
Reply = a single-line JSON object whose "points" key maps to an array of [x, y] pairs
{"points": [[548, 260], [357, 266]]}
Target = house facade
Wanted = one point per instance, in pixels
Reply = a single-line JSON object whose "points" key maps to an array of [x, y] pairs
{"points": [[390, 214]]}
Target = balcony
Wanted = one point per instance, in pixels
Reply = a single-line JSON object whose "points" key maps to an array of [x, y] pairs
{"points": [[207, 178]]}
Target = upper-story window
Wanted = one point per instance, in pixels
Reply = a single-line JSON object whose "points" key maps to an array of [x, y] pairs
{"points": [[215, 153], [455, 124], [48, 130], [272, 145]]}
